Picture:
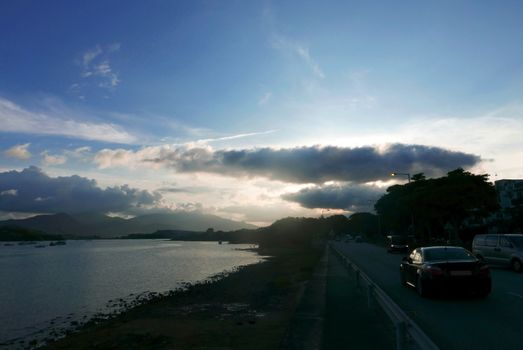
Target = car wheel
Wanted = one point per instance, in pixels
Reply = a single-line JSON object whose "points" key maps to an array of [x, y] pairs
{"points": [[421, 287], [516, 265]]}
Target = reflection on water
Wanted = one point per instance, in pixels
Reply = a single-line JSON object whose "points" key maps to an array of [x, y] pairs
{"points": [[62, 285]]}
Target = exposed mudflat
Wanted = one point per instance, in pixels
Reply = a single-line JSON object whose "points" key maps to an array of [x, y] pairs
{"points": [[246, 309]]}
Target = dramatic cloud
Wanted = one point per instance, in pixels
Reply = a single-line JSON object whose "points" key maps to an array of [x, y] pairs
{"points": [[57, 120], [341, 196], [297, 165], [31, 190], [19, 152]]}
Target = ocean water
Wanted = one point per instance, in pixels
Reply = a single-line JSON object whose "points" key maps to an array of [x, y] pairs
{"points": [[44, 290]]}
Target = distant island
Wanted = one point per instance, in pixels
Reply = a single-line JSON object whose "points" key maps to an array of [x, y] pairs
{"points": [[14, 233]]}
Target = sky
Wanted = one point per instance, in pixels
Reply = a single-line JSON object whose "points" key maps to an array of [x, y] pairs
{"points": [[251, 110]]}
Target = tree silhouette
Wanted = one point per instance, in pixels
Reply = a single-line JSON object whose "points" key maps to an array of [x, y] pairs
{"points": [[434, 205]]}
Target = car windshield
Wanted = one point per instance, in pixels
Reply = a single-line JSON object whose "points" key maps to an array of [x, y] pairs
{"points": [[517, 240], [435, 254]]}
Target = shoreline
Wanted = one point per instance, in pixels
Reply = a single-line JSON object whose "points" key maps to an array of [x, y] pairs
{"points": [[251, 302], [36, 318]]}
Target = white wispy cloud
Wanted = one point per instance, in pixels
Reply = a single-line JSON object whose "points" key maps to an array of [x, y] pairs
{"points": [[58, 120], [108, 158], [19, 152], [90, 55], [232, 137], [96, 66], [11, 192], [288, 45], [80, 152], [265, 98], [49, 159]]}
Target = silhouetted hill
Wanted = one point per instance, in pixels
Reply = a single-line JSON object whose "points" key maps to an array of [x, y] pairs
{"points": [[294, 232], [187, 221], [95, 224], [62, 224]]}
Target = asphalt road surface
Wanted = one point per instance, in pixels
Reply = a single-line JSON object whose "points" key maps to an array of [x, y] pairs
{"points": [[495, 322]]}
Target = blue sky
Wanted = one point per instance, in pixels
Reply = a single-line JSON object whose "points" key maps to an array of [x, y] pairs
{"points": [[133, 93]]}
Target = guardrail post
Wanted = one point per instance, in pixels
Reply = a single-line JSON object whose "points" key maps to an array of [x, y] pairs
{"points": [[408, 333], [401, 335]]}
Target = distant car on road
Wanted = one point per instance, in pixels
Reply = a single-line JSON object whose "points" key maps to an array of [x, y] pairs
{"points": [[445, 269], [398, 244], [358, 239], [500, 249]]}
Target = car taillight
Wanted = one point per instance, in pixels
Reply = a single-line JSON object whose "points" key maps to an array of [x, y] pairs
{"points": [[484, 270], [434, 271]]}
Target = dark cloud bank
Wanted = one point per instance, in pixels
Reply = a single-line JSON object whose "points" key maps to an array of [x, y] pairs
{"points": [[319, 164], [31, 190], [352, 167], [346, 196]]}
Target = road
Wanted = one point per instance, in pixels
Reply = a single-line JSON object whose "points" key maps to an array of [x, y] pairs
{"points": [[452, 323]]}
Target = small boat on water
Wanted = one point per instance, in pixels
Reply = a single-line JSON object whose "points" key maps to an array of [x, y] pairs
{"points": [[57, 243], [40, 246]]}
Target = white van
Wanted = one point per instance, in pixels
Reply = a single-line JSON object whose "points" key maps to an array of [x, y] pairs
{"points": [[500, 249]]}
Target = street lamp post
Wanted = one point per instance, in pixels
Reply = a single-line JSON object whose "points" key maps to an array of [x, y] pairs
{"points": [[405, 174], [411, 214]]}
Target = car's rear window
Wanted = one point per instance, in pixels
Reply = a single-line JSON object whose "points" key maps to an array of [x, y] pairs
{"points": [[437, 254], [398, 240]]}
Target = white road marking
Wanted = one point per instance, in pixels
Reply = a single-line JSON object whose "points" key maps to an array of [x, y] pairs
{"points": [[515, 294]]}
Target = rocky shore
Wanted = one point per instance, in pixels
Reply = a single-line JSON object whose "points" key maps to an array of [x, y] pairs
{"points": [[246, 309]]}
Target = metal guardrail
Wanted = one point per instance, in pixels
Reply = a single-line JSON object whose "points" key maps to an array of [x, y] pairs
{"points": [[408, 333]]}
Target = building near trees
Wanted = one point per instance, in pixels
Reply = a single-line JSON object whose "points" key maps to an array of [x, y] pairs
{"points": [[510, 193]]}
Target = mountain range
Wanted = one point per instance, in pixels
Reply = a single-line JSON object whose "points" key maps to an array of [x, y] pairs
{"points": [[96, 224]]}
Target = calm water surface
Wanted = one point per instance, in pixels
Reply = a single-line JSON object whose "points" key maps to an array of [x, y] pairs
{"points": [[54, 286]]}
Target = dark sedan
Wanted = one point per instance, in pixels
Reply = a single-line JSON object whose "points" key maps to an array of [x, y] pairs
{"points": [[445, 270], [398, 244]]}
